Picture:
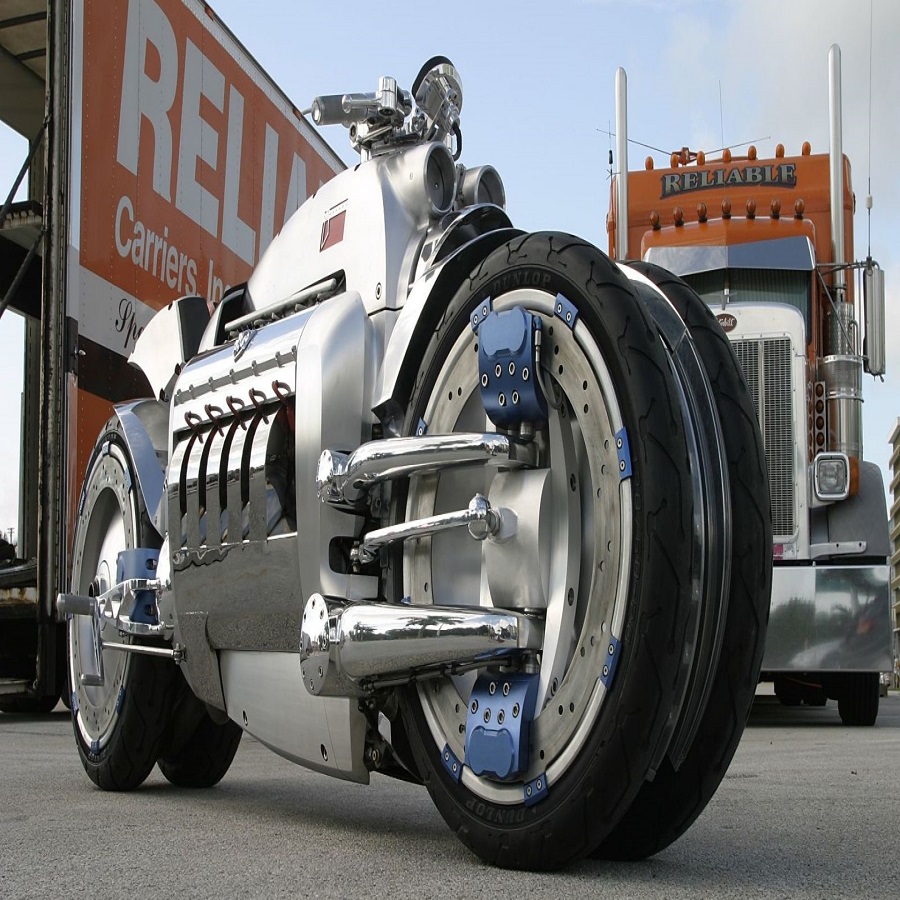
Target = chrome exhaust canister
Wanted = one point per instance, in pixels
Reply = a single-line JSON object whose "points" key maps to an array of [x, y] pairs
{"points": [[347, 649]]}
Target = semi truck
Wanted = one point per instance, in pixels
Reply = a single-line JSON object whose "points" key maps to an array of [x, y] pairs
{"points": [[161, 161], [768, 244]]}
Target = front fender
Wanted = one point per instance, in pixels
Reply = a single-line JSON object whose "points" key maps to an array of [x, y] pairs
{"points": [[421, 313], [145, 427]]}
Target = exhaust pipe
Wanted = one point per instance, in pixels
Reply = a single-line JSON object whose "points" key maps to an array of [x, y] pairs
{"points": [[349, 649], [622, 151], [836, 168]]}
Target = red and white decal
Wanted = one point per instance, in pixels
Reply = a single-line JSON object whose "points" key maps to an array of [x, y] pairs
{"points": [[333, 226]]}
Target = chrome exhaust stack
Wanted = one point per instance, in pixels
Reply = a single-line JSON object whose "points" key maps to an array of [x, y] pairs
{"points": [[350, 649]]}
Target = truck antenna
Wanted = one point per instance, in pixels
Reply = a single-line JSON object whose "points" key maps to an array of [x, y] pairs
{"points": [[721, 114]]}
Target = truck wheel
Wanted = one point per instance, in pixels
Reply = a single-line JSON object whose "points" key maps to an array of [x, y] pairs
{"points": [[666, 806], [119, 725], [619, 579], [858, 698], [24, 705], [201, 750]]}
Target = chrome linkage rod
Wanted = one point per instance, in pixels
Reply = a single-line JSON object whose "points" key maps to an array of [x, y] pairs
{"points": [[483, 521], [344, 478]]}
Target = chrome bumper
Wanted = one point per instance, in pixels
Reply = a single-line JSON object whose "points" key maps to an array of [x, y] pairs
{"points": [[829, 619]]}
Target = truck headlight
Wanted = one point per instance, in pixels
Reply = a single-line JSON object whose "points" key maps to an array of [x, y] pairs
{"points": [[831, 476]]}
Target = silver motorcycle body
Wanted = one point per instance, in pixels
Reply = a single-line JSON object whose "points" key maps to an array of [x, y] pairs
{"points": [[435, 498]]}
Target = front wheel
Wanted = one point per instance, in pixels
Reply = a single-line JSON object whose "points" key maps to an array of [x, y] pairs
{"points": [[604, 518], [120, 724]]}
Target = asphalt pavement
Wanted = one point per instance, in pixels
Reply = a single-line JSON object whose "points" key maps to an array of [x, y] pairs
{"points": [[809, 808]]}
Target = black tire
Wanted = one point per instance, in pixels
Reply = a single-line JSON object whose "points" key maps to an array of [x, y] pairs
{"points": [[119, 726], [614, 741], [666, 806], [201, 750], [858, 698], [26, 705]]}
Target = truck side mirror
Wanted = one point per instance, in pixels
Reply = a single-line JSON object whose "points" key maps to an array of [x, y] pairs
{"points": [[873, 298]]}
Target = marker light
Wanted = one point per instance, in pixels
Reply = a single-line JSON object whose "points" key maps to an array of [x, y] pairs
{"points": [[776, 208], [751, 209], [701, 212], [806, 149], [648, 163], [779, 151], [799, 207], [678, 216], [726, 208], [751, 152]]}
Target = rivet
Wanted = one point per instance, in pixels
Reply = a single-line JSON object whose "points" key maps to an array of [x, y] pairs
{"points": [[493, 688], [487, 715], [515, 710], [484, 380], [500, 717], [515, 397], [502, 400], [505, 688], [525, 374], [512, 368], [498, 371], [474, 706]]}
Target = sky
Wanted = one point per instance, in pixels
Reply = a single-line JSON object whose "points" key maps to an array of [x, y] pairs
{"points": [[538, 83]]}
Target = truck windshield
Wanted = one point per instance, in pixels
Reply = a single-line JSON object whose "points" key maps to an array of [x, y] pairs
{"points": [[754, 286]]}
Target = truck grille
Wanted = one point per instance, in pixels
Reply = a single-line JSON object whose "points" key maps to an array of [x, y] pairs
{"points": [[767, 368]]}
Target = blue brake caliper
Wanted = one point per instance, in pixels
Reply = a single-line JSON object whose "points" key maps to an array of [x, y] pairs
{"points": [[140, 562], [506, 366], [501, 708]]}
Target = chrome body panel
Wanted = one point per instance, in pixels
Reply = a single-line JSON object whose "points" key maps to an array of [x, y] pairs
{"points": [[264, 694], [829, 619]]}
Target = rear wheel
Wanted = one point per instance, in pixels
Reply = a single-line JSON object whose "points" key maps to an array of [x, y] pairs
{"points": [[608, 546], [120, 725], [201, 750], [666, 806]]}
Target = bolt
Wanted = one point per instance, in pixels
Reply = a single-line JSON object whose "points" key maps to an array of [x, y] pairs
{"points": [[493, 688], [539, 784], [502, 400], [527, 790], [525, 374], [474, 706], [605, 671], [505, 688], [487, 716], [500, 717], [515, 397], [498, 371], [484, 380], [512, 368], [378, 291], [515, 710]]}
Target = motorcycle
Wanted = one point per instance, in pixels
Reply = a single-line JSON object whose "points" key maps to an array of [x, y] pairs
{"points": [[437, 498]]}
